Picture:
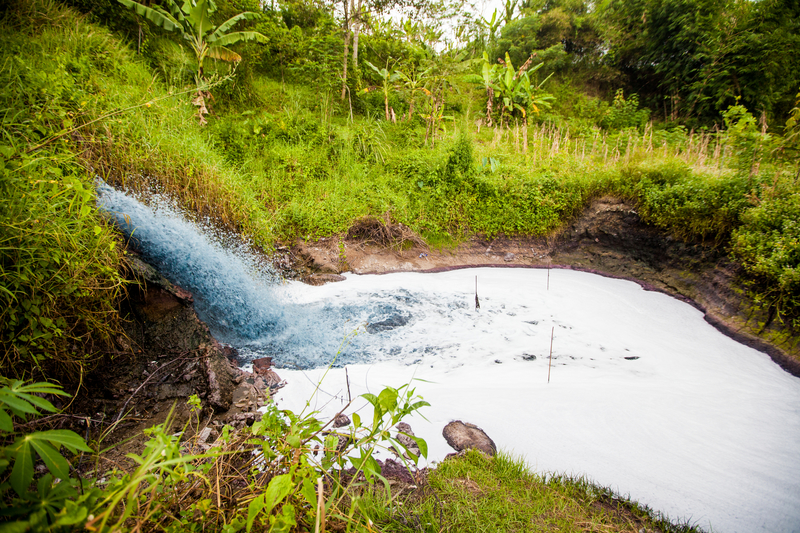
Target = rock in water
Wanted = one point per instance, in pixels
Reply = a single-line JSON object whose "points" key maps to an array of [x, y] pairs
{"points": [[404, 434], [394, 321], [464, 436], [341, 421]]}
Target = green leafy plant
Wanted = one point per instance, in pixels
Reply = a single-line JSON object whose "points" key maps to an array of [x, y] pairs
{"points": [[387, 78], [193, 20], [59, 500], [625, 112]]}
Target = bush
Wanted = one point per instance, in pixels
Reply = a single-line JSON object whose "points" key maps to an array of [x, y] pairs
{"points": [[625, 113], [691, 205], [768, 246]]}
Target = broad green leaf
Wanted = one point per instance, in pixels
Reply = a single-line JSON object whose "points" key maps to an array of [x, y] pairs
{"points": [[279, 487], [284, 522], [6, 424], [14, 527], [308, 491], [356, 420], [71, 515], [422, 403], [254, 509], [423, 446], [157, 16], [54, 461], [388, 399], [371, 398], [223, 54], [65, 437], [38, 401], [22, 473], [17, 405], [223, 28], [371, 467]]}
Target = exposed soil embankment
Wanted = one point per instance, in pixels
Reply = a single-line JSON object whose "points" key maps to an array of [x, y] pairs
{"points": [[609, 238], [167, 356]]}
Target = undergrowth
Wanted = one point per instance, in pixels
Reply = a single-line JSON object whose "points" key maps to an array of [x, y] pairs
{"points": [[288, 472]]}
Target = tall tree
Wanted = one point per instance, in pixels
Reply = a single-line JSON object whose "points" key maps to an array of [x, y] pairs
{"points": [[700, 56]]}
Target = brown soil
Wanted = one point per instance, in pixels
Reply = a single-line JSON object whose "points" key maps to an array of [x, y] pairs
{"points": [[166, 356], [609, 238]]}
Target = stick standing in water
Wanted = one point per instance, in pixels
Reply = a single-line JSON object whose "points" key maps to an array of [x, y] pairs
{"points": [[477, 303], [550, 363]]}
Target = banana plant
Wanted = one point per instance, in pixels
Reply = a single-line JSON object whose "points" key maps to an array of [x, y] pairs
{"points": [[193, 20], [412, 84], [491, 26], [387, 78], [487, 78], [516, 91]]}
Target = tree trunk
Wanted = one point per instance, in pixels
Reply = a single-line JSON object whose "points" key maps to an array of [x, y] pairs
{"points": [[356, 32], [346, 49], [490, 97]]}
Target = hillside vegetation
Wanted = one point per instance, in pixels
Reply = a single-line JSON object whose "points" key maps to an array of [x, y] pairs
{"points": [[509, 125]]}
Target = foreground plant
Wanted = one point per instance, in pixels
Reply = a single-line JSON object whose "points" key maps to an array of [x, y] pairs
{"points": [[286, 470], [58, 500]]}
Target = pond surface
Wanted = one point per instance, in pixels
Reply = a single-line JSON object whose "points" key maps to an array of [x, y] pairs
{"points": [[644, 396]]}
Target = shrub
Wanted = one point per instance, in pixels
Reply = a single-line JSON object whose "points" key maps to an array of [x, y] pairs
{"points": [[768, 245]]}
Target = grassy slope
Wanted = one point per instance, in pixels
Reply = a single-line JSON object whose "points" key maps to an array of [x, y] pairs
{"points": [[476, 493]]}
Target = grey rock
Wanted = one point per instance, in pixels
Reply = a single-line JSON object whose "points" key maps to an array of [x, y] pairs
{"points": [[404, 434], [464, 436], [394, 321], [341, 421]]}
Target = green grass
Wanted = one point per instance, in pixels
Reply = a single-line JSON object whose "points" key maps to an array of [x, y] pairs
{"points": [[476, 493]]}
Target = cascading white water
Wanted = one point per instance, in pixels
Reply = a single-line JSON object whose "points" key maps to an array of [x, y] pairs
{"points": [[644, 396]]}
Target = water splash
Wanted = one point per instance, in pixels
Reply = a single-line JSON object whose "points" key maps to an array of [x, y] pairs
{"points": [[243, 301]]}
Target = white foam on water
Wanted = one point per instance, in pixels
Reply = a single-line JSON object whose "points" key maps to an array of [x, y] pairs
{"points": [[644, 396]]}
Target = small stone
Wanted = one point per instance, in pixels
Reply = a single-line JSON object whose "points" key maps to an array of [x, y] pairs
{"points": [[509, 257], [464, 436], [341, 421], [261, 366]]}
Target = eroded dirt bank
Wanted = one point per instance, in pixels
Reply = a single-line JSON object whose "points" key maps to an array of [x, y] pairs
{"points": [[609, 238]]}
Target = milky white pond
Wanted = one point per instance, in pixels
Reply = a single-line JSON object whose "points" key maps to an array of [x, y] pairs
{"points": [[644, 395]]}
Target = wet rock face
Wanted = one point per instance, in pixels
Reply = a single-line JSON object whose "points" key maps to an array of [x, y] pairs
{"points": [[465, 436], [169, 354]]}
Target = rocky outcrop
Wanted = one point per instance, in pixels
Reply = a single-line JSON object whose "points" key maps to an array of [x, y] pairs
{"points": [[463, 436], [168, 356]]}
